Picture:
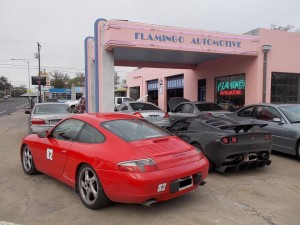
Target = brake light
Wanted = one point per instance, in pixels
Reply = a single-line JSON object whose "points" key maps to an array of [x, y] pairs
{"points": [[225, 140], [268, 137], [138, 166], [234, 140], [37, 121], [137, 114], [166, 115]]}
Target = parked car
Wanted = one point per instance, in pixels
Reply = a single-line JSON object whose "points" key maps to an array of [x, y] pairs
{"points": [[80, 107], [5, 97], [45, 115], [146, 110], [226, 143], [181, 107], [115, 157], [119, 100], [72, 104], [283, 122]]}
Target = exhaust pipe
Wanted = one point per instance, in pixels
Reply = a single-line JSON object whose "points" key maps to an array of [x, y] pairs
{"points": [[150, 203]]}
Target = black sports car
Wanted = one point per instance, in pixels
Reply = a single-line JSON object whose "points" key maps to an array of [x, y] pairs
{"points": [[225, 142]]}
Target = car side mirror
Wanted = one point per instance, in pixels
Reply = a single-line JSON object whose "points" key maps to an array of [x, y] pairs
{"points": [[27, 112], [277, 120], [43, 134]]}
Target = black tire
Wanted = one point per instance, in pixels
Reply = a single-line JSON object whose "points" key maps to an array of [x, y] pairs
{"points": [[90, 189], [27, 161], [298, 150], [211, 166]]}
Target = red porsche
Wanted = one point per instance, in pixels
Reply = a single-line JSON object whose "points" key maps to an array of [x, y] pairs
{"points": [[115, 158]]}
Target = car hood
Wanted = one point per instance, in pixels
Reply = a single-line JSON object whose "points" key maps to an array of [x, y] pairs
{"points": [[173, 102]]}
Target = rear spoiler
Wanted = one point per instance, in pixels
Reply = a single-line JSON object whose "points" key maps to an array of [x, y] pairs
{"points": [[245, 127]]}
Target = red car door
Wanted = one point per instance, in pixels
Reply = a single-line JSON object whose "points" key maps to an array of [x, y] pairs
{"points": [[51, 155], [52, 151]]}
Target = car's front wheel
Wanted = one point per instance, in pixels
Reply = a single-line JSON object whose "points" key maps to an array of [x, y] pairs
{"points": [[90, 189], [27, 161]]}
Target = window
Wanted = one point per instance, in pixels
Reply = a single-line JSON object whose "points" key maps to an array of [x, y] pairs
{"points": [[285, 87], [51, 108], [267, 113], [90, 134], [188, 108], [135, 129], [67, 130], [143, 106], [181, 126], [248, 112], [179, 108]]}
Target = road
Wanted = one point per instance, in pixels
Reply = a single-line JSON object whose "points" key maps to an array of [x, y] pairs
{"points": [[11, 105], [260, 196]]}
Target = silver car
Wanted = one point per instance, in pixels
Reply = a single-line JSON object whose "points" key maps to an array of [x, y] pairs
{"points": [[45, 115], [145, 110], [283, 122]]}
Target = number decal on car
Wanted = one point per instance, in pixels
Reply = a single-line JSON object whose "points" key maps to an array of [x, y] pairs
{"points": [[161, 187], [49, 153]]}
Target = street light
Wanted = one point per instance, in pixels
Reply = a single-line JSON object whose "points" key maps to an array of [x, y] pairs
{"points": [[27, 61]]}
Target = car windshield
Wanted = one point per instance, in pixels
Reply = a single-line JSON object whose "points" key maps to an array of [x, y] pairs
{"points": [[208, 107], [291, 112], [143, 106], [132, 130], [51, 108]]}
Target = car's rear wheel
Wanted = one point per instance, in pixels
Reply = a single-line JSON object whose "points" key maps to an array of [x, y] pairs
{"points": [[197, 145], [27, 161], [90, 189], [298, 150]]}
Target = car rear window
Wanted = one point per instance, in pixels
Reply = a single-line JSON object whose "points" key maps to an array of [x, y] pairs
{"points": [[51, 108], [132, 130], [143, 106]]}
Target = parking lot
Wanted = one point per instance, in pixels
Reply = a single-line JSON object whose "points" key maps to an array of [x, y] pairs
{"points": [[269, 195]]}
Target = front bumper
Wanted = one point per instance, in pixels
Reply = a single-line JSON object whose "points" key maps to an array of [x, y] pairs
{"points": [[160, 185]]}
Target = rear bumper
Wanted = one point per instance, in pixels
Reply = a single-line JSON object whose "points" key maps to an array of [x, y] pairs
{"points": [[160, 185]]}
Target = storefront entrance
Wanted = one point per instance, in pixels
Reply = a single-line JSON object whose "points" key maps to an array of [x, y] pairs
{"points": [[175, 86]]}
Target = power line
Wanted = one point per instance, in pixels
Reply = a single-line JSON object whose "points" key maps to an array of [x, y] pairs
{"points": [[35, 67]]}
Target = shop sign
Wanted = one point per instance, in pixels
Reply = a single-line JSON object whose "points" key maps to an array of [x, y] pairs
{"points": [[187, 40]]}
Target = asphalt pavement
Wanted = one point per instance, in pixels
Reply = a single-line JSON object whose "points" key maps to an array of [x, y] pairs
{"points": [[260, 196]]}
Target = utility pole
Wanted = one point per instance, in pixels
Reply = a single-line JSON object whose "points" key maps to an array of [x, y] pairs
{"points": [[39, 81]]}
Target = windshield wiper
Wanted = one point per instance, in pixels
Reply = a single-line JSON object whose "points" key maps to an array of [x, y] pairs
{"points": [[296, 121]]}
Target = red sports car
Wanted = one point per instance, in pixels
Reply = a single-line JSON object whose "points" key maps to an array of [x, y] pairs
{"points": [[115, 157]]}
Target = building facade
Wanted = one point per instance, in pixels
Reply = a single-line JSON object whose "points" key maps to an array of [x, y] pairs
{"points": [[232, 78]]}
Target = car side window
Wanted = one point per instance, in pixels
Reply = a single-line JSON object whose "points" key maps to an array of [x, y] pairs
{"points": [[247, 112], [267, 113], [120, 107], [188, 108], [180, 126], [178, 109], [67, 130], [89, 134]]}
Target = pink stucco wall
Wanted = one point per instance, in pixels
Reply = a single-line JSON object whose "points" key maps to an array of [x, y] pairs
{"points": [[283, 57]]}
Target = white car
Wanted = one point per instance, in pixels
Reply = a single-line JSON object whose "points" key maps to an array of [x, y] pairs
{"points": [[72, 104], [120, 100]]}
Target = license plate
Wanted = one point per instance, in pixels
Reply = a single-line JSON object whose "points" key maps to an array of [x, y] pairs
{"points": [[185, 183], [154, 117]]}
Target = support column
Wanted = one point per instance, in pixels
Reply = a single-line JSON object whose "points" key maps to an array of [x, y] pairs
{"points": [[104, 71]]}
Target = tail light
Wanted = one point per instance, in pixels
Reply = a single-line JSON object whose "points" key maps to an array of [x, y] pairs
{"points": [[137, 114], [166, 115], [225, 140], [268, 137], [37, 121], [138, 166], [234, 140]]}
